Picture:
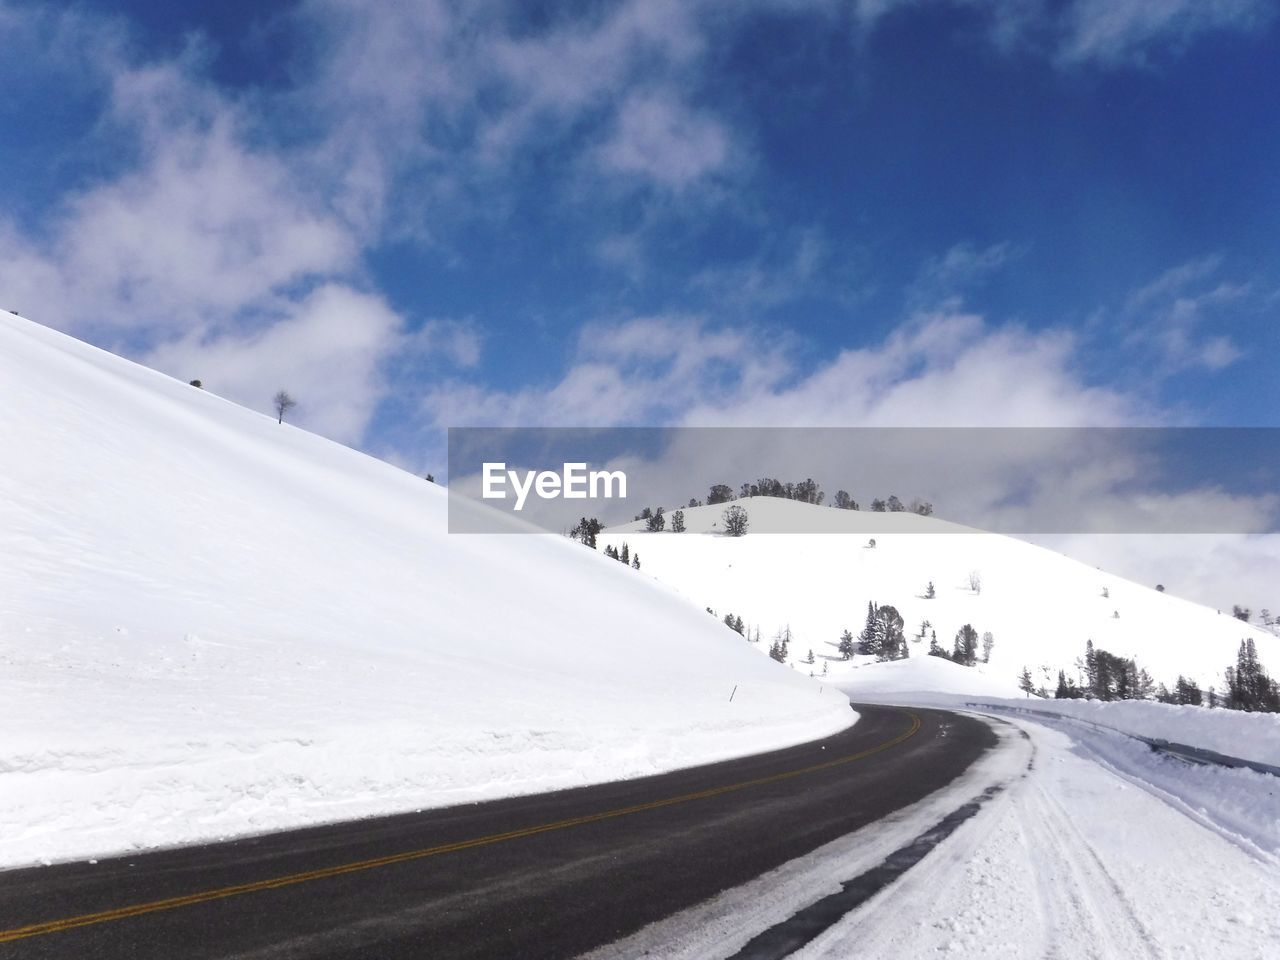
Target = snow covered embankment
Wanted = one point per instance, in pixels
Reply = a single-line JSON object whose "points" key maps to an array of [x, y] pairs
{"points": [[213, 624], [1248, 736]]}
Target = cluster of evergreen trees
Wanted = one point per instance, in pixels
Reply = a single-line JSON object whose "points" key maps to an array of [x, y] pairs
{"points": [[781, 645], [655, 520], [624, 555], [1248, 685], [586, 530], [1109, 677], [882, 635], [894, 505], [1184, 692], [965, 646], [735, 623]]}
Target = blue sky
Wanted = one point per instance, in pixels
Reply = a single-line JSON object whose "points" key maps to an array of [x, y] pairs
{"points": [[891, 212]]}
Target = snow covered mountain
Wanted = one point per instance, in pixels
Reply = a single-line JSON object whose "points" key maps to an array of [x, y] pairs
{"points": [[1041, 607], [211, 623]]}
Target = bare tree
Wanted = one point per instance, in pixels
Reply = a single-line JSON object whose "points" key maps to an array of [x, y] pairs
{"points": [[283, 404], [975, 581]]}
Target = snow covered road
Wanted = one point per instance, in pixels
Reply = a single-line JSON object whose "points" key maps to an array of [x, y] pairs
{"points": [[1092, 854]]}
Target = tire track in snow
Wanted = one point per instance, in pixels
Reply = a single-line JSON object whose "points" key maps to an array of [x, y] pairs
{"points": [[1069, 876]]}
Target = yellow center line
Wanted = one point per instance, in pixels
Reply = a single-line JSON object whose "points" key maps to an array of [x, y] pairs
{"points": [[172, 903]]}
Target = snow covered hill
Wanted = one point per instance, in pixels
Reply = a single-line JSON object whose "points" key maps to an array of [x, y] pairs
{"points": [[1040, 606], [211, 623]]}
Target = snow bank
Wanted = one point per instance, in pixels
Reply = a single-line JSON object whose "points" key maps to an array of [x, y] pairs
{"points": [[931, 681], [1249, 736], [866, 679], [211, 624]]}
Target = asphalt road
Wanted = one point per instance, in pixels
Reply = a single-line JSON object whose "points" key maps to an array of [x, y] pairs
{"points": [[545, 876]]}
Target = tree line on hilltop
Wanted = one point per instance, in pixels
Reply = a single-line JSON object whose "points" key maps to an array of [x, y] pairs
{"points": [[807, 491]]}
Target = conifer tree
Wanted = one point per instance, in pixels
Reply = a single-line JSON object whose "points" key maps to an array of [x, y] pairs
{"points": [[1025, 683], [965, 649]]}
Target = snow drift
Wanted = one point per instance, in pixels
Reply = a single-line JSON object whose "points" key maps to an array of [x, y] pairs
{"points": [[211, 624]]}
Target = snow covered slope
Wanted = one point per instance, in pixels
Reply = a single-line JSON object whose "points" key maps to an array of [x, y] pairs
{"points": [[1040, 606], [211, 624]]}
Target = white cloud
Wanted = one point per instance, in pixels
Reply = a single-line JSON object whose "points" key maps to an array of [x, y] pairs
{"points": [[207, 225], [644, 370], [469, 93], [203, 224], [659, 138], [940, 370], [937, 370], [327, 350], [210, 257]]}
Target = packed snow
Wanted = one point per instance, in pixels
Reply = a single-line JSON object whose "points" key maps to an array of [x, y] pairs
{"points": [[1089, 856], [1041, 607], [213, 624]]}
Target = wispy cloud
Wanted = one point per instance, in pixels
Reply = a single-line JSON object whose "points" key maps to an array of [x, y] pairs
{"points": [[1119, 32], [792, 264], [1178, 319], [963, 267], [1103, 33]]}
